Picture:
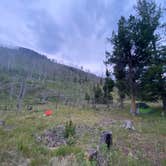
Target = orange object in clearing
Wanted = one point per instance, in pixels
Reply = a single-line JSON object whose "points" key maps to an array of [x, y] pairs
{"points": [[48, 112]]}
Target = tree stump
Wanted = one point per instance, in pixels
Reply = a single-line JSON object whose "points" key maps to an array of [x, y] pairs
{"points": [[92, 154], [128, 124]]}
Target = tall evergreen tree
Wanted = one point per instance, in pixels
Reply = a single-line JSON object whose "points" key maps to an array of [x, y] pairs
{"points": [[135, 43], [152, 85], [108, 88], [98, 94], [121, 83]]}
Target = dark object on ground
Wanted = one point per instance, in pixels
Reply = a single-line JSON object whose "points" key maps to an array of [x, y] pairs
{"points": [[29, 107], [2, 123], [143, 108], [106, 138], [128, 124], [92, 154]]}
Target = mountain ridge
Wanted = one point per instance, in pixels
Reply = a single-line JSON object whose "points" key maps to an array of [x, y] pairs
{"points": [[41, 75], [31, 52]]}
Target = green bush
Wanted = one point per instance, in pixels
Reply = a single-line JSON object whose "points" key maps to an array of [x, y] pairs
{"points": [[69, 129]]}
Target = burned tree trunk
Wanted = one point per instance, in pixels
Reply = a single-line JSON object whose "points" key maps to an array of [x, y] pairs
{"points": [[106, 138], [11, 90], [21, 95]]}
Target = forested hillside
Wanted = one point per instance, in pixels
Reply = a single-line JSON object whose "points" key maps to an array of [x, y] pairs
{"points": [[30, 76]]}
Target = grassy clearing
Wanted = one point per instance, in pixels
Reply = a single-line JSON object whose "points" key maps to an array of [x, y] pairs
{"points": [[145, 146]]}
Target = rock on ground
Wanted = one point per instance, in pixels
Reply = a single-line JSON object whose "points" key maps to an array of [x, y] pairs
{"points": [[2, 123], [52, 137]]}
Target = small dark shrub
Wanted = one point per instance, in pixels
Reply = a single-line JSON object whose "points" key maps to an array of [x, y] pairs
{"points": [[69, 129]]}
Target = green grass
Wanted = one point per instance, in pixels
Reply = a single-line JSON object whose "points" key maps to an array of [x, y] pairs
{"points": [[145, 146], [67, 150]]}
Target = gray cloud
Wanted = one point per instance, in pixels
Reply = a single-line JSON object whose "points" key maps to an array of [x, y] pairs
{"points": [[45, 29], [72, 31]]}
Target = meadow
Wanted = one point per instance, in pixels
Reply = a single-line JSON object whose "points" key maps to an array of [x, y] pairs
{"points": [[144, 146]]}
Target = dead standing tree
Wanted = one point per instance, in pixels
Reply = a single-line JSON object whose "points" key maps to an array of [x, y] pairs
{"points": [[21, 95]]}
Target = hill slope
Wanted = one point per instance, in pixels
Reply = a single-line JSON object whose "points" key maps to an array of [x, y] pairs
{"points": [[24, 72]]}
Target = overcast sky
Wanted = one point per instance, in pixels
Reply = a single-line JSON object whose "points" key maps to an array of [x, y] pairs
{"points": [[70, 31]]}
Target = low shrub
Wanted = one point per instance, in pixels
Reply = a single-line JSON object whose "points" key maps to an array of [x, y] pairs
{"points": [[69, 129]]}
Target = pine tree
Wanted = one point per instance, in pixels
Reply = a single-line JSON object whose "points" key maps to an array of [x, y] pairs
{"points": [[121, 83], [108, 88], [98, 94], [135, 44], [152, 85]]}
